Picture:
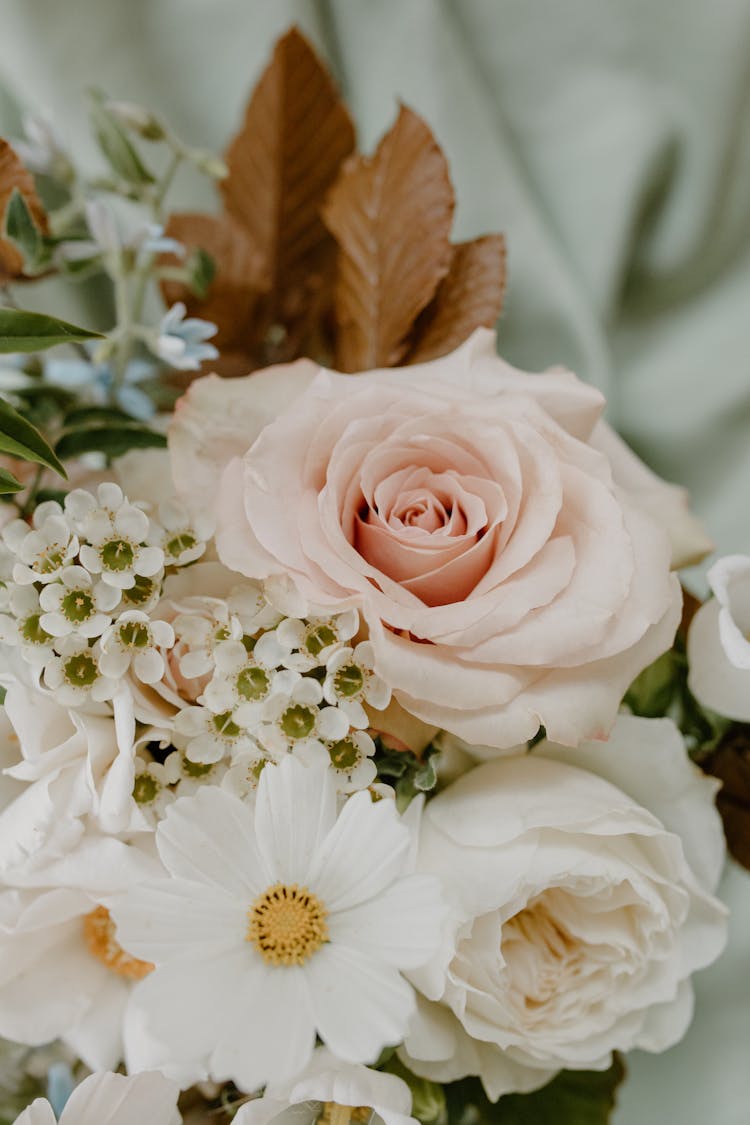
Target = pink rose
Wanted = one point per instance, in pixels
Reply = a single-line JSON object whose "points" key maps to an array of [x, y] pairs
{"points": [[506, 580]]}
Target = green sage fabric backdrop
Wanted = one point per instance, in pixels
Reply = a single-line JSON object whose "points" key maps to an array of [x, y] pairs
{"points": [[610, 140]]}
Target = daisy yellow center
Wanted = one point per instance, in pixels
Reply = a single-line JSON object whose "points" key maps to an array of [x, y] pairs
{"points": [[333, 1114], [99, 932], [287, 924]]}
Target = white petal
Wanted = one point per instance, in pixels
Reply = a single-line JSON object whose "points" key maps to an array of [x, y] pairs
{"points": [[210, 838], [114, 1099], [149, 666], [173, 918], [401, 926], [38, 1113], [295, 809], [360, 1006], [364, 852], [275, 1034]]}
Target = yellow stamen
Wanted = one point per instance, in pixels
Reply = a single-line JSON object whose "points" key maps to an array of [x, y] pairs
{"points": [[287, 924], [99, 931], [333, 1114]]}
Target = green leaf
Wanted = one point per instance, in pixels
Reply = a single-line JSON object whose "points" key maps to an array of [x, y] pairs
{"points": [[22, 331], [116, 145], [653, 691], [8, 483], [21, 229], [574, 1097], [20, 439], [113, 440], [95, 415], [201, 270]]}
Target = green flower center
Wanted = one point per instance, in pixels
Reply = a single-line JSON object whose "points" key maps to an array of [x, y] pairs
{"points": [[32, 632], [197, 769], [297, 721], [77, 606], [146, 789], [344, 754], [318, 638], [117, 555], [349, 681], [183, 541], [224, 725], [81, 670], [141, 592], [253, 683], [51, 559], [134, 635]]}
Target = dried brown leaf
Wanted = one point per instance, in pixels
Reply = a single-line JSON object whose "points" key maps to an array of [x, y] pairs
{"points": [[233, 296], [294, 138], [14, 175], [731, 764], [469, 297], [391, 216]]}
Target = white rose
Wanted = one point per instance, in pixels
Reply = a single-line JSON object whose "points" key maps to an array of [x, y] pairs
{"points": [[578, 914], [718, 645]]}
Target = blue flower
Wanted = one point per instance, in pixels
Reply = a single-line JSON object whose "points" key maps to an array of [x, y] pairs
{"points": [[181, 342]]}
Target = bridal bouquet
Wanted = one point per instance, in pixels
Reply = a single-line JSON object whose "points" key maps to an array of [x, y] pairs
{"points": [[357, 737]]}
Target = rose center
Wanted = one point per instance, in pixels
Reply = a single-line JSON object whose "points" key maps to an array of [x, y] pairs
{"points": [[99, 933], [287, 924], [334, 1114], [541, 953]]}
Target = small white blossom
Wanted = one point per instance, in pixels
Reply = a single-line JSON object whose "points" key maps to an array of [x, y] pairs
{"points": [[251, 607], [351, 681], [206, 737], [296, 720], [22, 626], [116, 532], [243, 774], [195, 775], [152, 787], [350, 759], [74, 676], [77, 604], [310, 643], [43, 549], [181, 539], [133, 642], [199, 629], [245, 679]]}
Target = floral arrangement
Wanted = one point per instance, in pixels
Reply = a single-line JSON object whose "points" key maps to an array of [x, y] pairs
{"points": [[357, 739]]}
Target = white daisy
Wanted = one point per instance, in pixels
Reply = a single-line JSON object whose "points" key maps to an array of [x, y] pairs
{"points": [[281, 920], [77, 604], [112, 1099], [65, 974], [351, 681], [182, 539], [332, 1092], [133, 642]]}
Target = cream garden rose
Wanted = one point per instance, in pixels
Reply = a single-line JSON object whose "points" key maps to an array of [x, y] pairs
{"points": [[507, 582], [581, 889]]}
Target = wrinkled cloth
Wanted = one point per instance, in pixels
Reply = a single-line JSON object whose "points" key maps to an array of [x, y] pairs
{"points": [[612, 143]]}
